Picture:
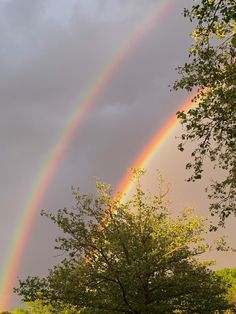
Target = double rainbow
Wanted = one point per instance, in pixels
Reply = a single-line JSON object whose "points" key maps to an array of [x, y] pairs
{"points": [[49, 168]]}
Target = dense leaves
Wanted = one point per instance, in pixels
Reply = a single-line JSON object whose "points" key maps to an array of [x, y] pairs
{"points": [[229, 277], [38, 307], [212, 122], [128, 257]]}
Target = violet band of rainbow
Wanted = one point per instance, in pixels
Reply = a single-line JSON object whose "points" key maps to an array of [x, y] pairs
{"points": [[19, 239]]}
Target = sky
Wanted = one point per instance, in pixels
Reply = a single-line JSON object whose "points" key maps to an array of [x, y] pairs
{"points": [[51, 52]]}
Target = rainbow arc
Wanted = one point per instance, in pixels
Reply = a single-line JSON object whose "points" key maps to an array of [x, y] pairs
{"points": [[150, 149], [17, 245]]}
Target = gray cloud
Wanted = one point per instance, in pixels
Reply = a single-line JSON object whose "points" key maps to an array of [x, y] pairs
{"points": [[51, 52]]}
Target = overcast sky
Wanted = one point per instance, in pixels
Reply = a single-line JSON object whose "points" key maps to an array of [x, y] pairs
{"points": [[50, 53]]}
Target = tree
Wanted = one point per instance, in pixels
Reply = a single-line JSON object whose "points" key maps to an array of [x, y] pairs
{"points": [[21, 311], [212, 122], [229, 276], [128, 257], [38, 307]]}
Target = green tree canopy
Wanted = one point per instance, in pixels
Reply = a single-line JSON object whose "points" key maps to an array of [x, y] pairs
{"points": [[21, 311], [39, 307], [229, 276], [128, 257], [212, 123]]}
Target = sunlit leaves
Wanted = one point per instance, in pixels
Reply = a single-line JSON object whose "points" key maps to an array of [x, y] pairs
{"points": [[212, 123], [128, 257]]}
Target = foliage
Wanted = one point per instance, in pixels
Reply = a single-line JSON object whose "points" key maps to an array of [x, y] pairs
{"points": [[212, 122], [38, 307], [128, 257], [21, 311], [229, 276]]}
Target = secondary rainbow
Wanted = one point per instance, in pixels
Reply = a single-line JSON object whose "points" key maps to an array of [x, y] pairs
{"points": [[151, 149], [48, 170]]}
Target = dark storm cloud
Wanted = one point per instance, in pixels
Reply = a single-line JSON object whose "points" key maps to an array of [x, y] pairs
{"points": [[47, 66]]}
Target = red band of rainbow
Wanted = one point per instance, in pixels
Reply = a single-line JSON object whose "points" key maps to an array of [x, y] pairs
{"points": [[151, 148], [48, 170]]}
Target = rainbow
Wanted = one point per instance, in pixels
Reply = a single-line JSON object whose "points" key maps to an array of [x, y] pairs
{"points": [[148, 152], [17, 245]]}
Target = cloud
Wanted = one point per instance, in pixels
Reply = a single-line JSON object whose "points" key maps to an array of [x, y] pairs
{"points": [[51, 53]]}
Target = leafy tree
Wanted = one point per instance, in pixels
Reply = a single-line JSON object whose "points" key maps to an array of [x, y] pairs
{"points": [[128, 257], [229, 276], [38, 307], [21, 311], [212, 122]]}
